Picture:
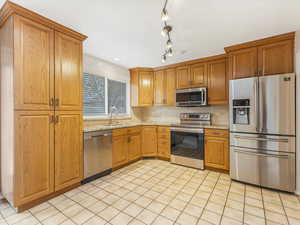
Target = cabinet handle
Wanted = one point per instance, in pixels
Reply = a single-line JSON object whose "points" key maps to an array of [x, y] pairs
{"points": [[52, 119], [56, 119], [51, 102], [56, 102]]}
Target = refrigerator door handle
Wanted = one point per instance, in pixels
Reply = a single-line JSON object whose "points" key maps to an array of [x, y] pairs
{"points": [[262, 154], [256, 105], [262, 139]]}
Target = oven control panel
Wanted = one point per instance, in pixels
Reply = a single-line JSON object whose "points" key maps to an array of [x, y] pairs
{"points": [[195, 116]]}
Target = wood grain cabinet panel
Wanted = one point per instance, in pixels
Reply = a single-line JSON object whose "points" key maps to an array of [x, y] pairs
{"points": [[119, 150], [68, 149], [159, 88], [34, 155], [217, 82], [198, 75], [146, 92], [216, 147], [276, 58], [164, 142], [134, 146], [243, 63], [68, 72], [149, 141], [170, 87], [183, 77], [34, 65]]}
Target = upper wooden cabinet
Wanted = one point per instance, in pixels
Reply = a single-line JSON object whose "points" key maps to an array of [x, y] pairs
{"points": [[142, 87], [243, 63], [198, 75], [159, 87], [267, 56], [164, 87], [34, 65], [183, 77], [68, 72], [276, 58], [217, 82]]}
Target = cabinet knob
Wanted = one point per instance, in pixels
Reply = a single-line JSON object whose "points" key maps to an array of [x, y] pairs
{"points": [[51, 102], [56, 102], [52, 119], [56, 119]]}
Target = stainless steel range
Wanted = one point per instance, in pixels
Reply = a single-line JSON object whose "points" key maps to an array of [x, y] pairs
{"points": [[262, 126], [187, 139]]}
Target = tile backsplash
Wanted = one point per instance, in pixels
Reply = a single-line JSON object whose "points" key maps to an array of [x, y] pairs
{"points": [[220, 113]]}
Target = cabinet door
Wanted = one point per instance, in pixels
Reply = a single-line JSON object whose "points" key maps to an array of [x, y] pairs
{"points": [[216, 152], [170, 86], [134, 146], [199, 75], [34, 155], [34, 65], [217, 82], [159, 88], [276, 58], [183, 77], [163, 142], [120, 150], [146, 88], [68, 149], [149, 141], [68, 72], [243, 63]]}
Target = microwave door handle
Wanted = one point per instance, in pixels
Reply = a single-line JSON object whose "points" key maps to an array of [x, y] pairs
{"points": [[205, 98]]}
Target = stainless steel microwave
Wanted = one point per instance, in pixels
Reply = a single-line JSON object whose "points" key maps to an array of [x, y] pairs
{"points": [[192, 97]]}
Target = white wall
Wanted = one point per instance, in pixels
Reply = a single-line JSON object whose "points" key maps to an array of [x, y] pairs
{"points": [[100, 67], [297, 67]]}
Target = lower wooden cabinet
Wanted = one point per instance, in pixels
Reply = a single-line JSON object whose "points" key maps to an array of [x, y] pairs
{"points": [[216, 153], [34, 156], [68, 149], [120, 154], [163, 142], [134, 146], [149, 141]]}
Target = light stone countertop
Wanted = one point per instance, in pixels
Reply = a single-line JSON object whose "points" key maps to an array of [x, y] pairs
{"points": [[97, 127]]}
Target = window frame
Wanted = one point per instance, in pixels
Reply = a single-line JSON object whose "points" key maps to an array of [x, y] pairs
{"points": [[106, 115]]}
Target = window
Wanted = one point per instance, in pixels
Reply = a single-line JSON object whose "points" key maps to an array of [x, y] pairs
{"points": [[101, 93]]}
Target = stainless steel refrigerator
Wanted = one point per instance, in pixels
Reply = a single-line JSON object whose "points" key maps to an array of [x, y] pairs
{"points": [[262, 131]]}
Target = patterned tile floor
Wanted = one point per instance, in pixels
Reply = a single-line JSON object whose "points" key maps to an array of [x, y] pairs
{"points": [[159, 193]]}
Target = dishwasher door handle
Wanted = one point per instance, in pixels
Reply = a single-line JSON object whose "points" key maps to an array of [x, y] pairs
{"points": [[101, 135]]}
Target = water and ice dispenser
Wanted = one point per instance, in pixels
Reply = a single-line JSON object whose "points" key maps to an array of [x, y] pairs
{"points": [[241, 111]]}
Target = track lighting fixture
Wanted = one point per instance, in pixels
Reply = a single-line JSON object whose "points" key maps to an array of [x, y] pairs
{"points": [[164, 15]]}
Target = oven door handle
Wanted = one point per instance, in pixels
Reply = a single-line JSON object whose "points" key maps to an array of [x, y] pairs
{"points": [[188, 130]]}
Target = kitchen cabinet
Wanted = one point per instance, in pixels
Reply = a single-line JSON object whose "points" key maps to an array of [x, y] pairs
{"points": [[198, 75], [142, 87], [164, 87], [34, 65], [68, 72], [41, 71], [119, 150], [34, 155], [149, 141], [216, 147], [68, 149], [183, 77], [276, 58], [126, 145], [164, 142], [263, 57], [217, 82]]}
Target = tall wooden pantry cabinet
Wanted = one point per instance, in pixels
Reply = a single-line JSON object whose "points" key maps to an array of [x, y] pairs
{"points": [[41, 118]]}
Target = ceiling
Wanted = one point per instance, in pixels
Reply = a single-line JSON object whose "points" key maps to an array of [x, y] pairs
{"points": [[130, 30]]}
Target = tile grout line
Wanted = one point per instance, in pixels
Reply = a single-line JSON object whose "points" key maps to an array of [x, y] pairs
{"points": [[284, 208], [263, 203], [225, 202]]}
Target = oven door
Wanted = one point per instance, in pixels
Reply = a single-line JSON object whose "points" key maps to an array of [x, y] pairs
{"points": [[191, 97], [187, 147]]}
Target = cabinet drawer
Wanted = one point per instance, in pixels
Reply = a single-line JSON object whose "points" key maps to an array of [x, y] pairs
{"points": [[163, 143], [163, 136], [118, 132], [216, 132], [133, 130], [165, 130]]}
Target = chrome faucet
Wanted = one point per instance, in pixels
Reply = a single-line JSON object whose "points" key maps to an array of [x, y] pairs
{"points": [[112, 110]]}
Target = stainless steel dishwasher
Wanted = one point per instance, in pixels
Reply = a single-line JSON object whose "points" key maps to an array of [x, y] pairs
{"points": [[97, 154]]}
